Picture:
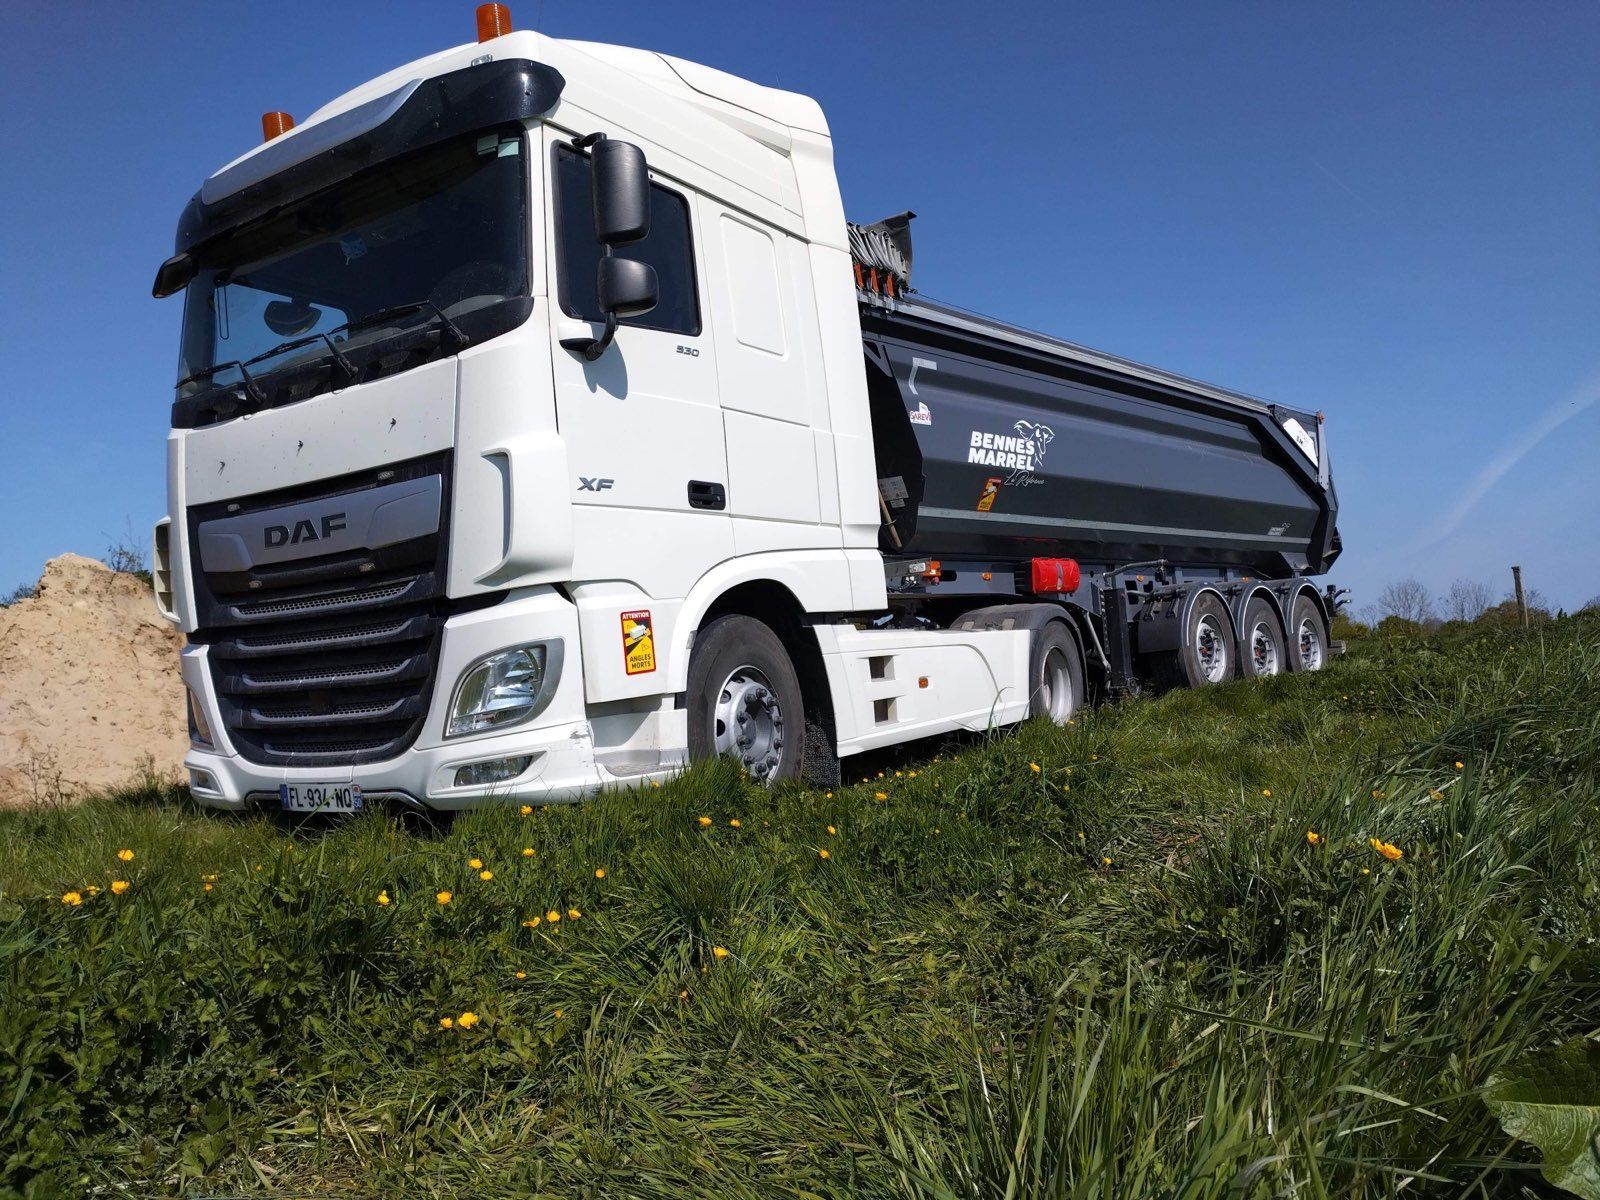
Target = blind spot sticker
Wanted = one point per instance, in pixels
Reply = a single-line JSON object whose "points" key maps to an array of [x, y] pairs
{"points": [[991, 489], [638, 642]]}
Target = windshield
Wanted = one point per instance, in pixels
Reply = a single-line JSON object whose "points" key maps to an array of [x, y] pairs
{"points": [[403, 263]]}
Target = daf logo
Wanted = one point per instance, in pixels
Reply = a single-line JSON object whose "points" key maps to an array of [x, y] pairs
{"points": [[303, 531]]}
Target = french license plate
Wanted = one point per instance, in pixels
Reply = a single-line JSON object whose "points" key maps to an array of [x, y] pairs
{"points": [[320, 797]]}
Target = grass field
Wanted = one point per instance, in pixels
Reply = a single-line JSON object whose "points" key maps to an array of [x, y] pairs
{"points": [[1108, 960]]}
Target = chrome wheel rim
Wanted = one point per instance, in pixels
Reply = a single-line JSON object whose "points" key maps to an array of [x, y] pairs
{"points": [[747, 722], [1309, 637], [1264, 649], [1055, 686], [1211, 648]]}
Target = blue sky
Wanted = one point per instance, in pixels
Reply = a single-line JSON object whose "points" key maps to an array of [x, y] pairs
{"points": [[1387, 211]]}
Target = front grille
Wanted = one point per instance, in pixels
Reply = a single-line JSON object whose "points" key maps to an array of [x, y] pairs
{"points": [[329, 659]]}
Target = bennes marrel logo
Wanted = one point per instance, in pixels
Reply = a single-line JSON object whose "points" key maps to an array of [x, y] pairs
{"points": [[1022, 452], [303, 531]]}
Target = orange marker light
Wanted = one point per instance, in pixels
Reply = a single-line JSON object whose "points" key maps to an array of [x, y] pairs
{"points": [[493, 21], [275, 123]]}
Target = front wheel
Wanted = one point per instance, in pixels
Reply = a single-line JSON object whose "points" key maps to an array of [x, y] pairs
{"points": [[744, 699]]}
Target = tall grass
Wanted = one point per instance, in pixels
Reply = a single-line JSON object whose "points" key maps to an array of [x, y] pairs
{"points": [[963, 999]]}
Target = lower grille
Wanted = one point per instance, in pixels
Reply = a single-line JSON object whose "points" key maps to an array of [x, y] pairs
{"points": [[328, 659]]}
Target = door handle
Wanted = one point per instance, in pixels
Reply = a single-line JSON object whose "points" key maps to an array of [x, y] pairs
{"points": [[707, 495]]}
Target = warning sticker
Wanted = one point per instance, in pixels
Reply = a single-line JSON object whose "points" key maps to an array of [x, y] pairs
{"points": [[638, 642], [991, 489]]}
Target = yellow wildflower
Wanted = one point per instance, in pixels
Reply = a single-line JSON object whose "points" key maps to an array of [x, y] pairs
{"points": [[531, 923], [208, 878], [125, 855], [447, 1023], [443, 897], [1366, 870], [1267, 792], [734, 822], [552, 916], [486, 875], [1105, 860], [822, 853], [1313, 837], [599, 872], [209, 886], [383, 896], [527, 852], [526, 810], [573, 914], [1388, 849], [827, 795], [520, 975], [832, 831], [720, 951], [559, 1014], [118, 886], [92, 890], [71, 899], [475, 863], [1035, 767], [880, 795], [1460, 766], [704, 822], [467, 1019]]}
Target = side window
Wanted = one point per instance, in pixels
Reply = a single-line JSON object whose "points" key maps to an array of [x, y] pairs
{"points": [[669, 249]]}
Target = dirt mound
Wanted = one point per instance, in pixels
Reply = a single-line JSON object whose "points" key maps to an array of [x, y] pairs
{"points": [[89, 684]]}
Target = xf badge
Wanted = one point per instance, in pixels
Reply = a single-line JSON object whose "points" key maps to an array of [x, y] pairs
{"points": [[594, 485]]}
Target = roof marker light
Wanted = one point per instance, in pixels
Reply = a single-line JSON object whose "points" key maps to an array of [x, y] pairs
{"points": [[494, 20], [275, 123]]}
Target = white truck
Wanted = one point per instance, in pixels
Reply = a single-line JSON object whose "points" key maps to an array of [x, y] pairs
{"points": [[538, 431]]}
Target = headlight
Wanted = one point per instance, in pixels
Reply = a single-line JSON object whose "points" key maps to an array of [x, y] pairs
{"points": [[505, 688], [199, 730]]}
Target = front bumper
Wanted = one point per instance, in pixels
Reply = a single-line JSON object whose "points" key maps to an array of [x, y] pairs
{"points": [[560, 740]]}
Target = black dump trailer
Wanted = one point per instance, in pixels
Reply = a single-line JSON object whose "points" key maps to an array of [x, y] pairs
{"points": [[1179, 522]]}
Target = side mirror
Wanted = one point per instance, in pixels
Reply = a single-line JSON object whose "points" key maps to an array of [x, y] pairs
{"points": [[621, 196], [621, 193], [625, 287]]}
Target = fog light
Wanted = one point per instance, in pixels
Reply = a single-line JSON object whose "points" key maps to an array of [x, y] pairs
{"points": [[202, 781], [505, 688], [199, 730], [496, 770]]}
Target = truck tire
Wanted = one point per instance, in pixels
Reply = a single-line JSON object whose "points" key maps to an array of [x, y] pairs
{"points": [[1308, 636], [1262, 648], [1208, 652], [1056, 688], [744, 699]]}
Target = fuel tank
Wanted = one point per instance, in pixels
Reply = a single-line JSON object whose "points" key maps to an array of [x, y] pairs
{"points": [[994, 442]]}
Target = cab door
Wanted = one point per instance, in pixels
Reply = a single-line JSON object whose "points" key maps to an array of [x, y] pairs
{"points": [[642, 424]]}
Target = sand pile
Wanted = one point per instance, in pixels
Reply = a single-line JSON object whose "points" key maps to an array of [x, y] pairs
{"points": [[89, 685]]}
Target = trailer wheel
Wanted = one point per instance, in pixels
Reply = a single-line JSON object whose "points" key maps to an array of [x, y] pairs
{"points": [[1308, 636], [1055, 674], [744, 699], [1208, 650], [1261, 642]]}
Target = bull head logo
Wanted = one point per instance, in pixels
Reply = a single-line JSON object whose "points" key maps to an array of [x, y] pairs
{"points": [[1040, 435]]}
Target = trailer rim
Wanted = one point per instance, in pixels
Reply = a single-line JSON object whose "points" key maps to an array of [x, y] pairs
{"points": [[1210, 648], [1264, 648], [1308, 640]]}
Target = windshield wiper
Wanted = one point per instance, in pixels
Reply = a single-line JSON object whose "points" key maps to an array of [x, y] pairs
{"points": [[251, 388], [462, 341], [345, 365]]}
